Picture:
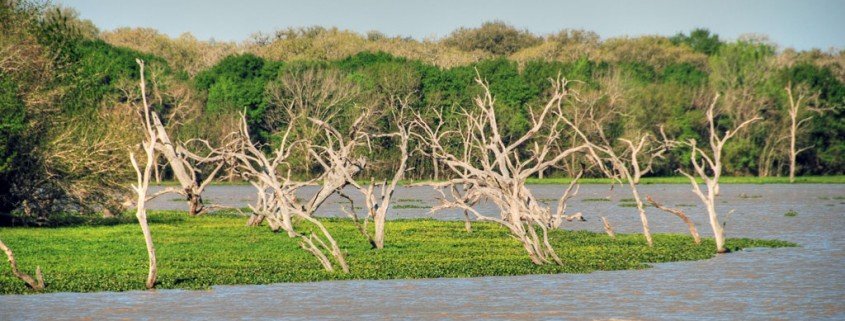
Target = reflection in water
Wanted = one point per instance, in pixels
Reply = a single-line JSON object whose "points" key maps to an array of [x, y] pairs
{"points": [[807, 282]]}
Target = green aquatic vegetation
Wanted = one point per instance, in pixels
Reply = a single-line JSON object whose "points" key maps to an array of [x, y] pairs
{"points": [[409, 206], [685, 205], [632, 205], [790, 213], [217, 249], [596, 200], [409, 200], [626, 200], [744, 195]]}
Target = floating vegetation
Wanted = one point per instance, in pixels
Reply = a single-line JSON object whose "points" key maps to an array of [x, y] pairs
{"points": [[408, 206], [633, 205], [743, 195], [237, 254], [596, 200], [790, 213]]}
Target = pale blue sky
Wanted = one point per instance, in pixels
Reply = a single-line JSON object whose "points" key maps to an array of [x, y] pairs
{"points": [[801, 24]]}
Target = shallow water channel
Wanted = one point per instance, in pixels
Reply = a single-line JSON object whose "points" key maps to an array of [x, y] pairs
{"points": [[807, 282]]}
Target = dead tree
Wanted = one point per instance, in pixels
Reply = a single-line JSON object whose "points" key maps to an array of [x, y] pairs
{"points": [[796, 111], [184, 163], [277, 202], [337, 157], [144, 176], [708, 167], [627, 166], [680, 214], [37, 284], [489, 168], [377, 206]]}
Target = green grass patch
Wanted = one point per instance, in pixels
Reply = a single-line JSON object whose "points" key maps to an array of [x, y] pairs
{"points": [[791, 213], [596, 200], [198, 252]]}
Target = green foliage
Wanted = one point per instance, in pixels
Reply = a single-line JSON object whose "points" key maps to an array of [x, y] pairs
{"points": [[237, 83], [12, 124], [495, 37], [199, 252], [700, 40], [13, 150], [684, 74]]}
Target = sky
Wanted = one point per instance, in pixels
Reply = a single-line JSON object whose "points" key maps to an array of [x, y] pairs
{"points": [[800, 24]]}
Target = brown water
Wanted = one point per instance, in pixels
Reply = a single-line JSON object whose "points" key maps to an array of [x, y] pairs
{"points": [[803, 283]]}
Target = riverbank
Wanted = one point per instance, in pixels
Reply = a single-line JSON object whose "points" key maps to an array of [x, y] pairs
{"points": [[196, 253]]}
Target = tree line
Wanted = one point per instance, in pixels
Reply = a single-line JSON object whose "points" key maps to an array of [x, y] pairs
{"points": [[68, 92]]}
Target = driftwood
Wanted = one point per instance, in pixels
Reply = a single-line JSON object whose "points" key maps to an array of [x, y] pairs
{"points": [[37, 283], [677, 212]]}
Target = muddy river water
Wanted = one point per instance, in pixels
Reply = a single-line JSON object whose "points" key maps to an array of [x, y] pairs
{"points": [[802, 283]]}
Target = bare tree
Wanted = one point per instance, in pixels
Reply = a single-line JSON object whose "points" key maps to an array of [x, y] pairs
{"points": [[628, 166], [377, 206], [277, 201], [300, 94], [487, 167], [708, 167], [37, 283], [797, 107], [184, 163], [143, 182]]}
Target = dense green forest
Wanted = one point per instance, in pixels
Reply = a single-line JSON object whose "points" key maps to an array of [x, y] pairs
{"points": [[67, 92]]}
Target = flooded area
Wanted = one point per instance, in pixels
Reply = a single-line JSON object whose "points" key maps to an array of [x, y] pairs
{"points": [[806, 282]]}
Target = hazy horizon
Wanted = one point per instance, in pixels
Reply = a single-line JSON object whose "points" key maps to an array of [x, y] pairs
{"points": [[801, 25]]}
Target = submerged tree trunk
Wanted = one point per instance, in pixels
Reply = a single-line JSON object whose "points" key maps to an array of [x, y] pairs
{"points": [[141, 214], [690, 224], [641, 210], [467, 222], [607, 228]]}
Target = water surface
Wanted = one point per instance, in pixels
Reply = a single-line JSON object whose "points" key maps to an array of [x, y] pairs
{"points": [[803, 283]]}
